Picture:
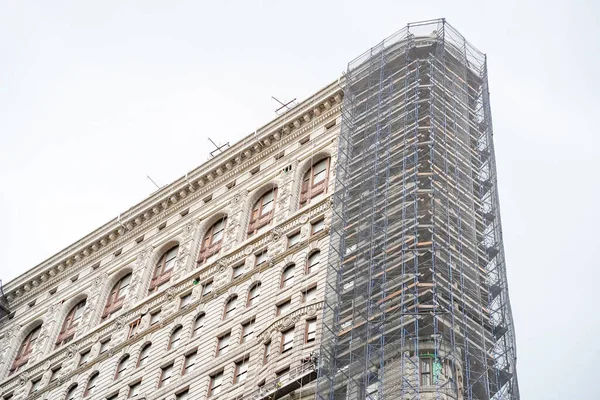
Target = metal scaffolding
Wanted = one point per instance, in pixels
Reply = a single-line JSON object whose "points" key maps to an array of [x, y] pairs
{"points": [[416, 301]]}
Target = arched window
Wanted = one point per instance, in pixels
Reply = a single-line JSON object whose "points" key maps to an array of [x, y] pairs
{"points": [[67, 332], [92, 382], [25, 350], [253, 294], [175, 338], [315, 181], [198, 325], [117, 297], [122, 367], [313, 261], [163, 269], [144, 353], [211, 244], [262, 212], [287, 277], [230, 307], [71, 393]]}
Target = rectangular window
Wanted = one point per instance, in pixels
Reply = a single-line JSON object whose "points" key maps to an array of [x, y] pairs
{"points": [[426, 371], [260, 258], [84, 357], [241, 370], [185, 300], [190, 362], [35, 384], [284, 308], [293, 239], [267, 352], [104, 346], [309, 294], [182, 395], [133, 328], [198, 325], [155, 317], [317, 227], [238, 271], [223, 344], [310, 334], [283, 375], [287, 340], [165, 375], [55, 374], [216, 381], [134, 389], [247, 331], [207, 288]]}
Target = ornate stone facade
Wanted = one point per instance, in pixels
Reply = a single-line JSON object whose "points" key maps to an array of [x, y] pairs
{"points": [[179, 216]]}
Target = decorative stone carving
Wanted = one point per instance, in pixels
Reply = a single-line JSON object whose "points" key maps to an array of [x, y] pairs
{"points": [[275, 234], [170, 294], [304, 218], [23, 378], [248, 250], [120, 323], [145, 309], [71, 351]]}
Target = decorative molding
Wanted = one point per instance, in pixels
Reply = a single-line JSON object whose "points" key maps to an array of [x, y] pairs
{"points": [[160, 299], [177, 195], [289, 319]]}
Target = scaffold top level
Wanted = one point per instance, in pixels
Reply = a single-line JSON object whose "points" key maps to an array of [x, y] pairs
{"points": [[430, 30]]}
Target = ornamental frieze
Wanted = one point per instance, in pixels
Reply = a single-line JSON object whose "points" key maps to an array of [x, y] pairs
{"points": [[288, 320]]}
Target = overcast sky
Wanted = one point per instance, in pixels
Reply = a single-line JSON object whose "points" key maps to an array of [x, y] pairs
{"points": [[95, 96]]}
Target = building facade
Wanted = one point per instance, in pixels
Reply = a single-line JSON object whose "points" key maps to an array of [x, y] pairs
{"points": [[280, 268]]}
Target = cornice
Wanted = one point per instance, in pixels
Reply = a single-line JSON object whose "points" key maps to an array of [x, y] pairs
{"points": [[184, 284], [176, 196]]}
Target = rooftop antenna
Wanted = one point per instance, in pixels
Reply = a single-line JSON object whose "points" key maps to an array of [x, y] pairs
{"points": [[152, 180], [284, 105], [219, 147]]}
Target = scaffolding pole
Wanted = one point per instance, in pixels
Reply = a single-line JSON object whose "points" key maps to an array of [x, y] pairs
{"points": [[416, 299]]}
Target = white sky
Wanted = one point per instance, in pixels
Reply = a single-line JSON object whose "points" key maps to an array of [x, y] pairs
{"points": [[94, 96]]}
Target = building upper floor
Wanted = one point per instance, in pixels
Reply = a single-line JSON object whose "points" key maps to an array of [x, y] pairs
{"points": [[227, 207]]}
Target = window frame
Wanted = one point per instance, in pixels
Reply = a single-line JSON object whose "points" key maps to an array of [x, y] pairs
{"points": [[258, 218], [115, 299], [250, 301], [307, 331], [119, 371], [195, 329], [221, 350], [134, 328], [25, 350], [92, 379], [190, 355], [312, 290], [161, 274], [285, 280], [243, 363], [168, 368], [144, 351], [228, 312], [211, 385], [310, 268], [70, 323], [70, 395], [283, 348], [209, 246], [309, 189], [175, 333], [247, 325], [283, 307]]}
